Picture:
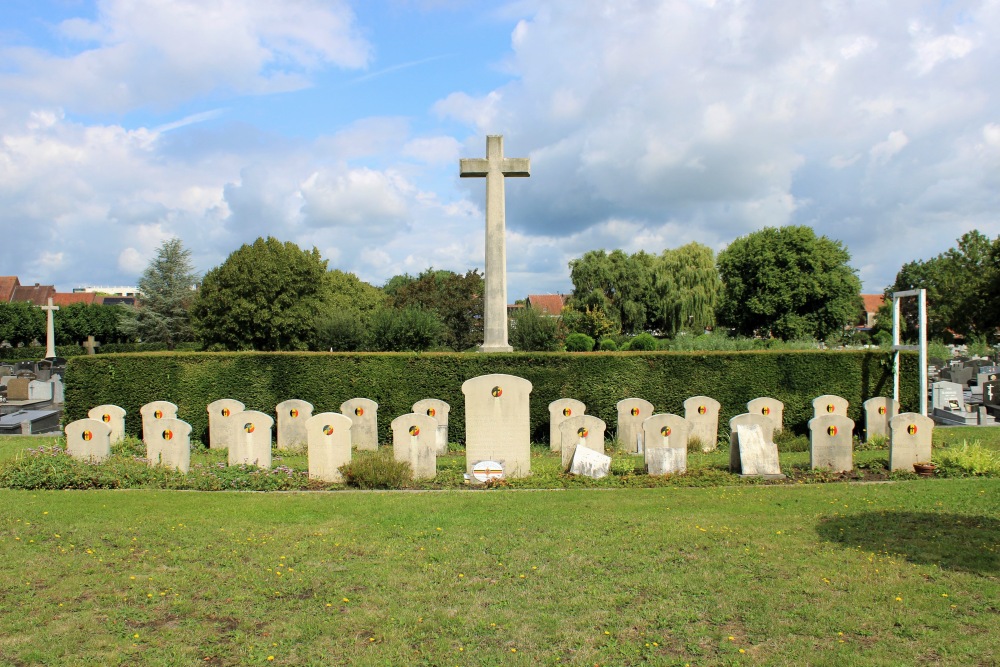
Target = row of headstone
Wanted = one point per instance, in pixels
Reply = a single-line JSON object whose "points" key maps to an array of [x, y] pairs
{"points": [[30, 388], [949, 406]]}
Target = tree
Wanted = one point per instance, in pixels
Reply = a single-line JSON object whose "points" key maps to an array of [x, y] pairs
{"points": [[167, 288], [788, 283], [347, 306], [410, 329], [688, 286], [961, 288], [616, 284], [531, 331], [457, 301], [73, 323], [263, 297], [21, 323]]}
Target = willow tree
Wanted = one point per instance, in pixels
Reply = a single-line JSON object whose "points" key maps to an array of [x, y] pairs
{"points": [[687, 285]]}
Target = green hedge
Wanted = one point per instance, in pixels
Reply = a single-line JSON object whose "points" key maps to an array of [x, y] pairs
{"points": [[34, 353], [397, 380]]}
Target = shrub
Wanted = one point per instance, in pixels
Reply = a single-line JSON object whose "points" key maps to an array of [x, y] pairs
{"points": [[531, 331], [644, 342], [340, 331], [410, 329], [787, 441], [969, 459], [376, 470], [608, 345], [579, 342], [874, 442]]}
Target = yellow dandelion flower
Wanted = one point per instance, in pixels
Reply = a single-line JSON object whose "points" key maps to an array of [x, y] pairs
{"points": [[899, 599], [270, 657], [346, 599], [742, 650]]}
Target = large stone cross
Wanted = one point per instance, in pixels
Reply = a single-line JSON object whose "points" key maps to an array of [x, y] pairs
{"points": [[495, 167], [50, 330]]}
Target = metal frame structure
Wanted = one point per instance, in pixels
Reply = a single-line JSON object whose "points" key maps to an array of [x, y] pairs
{"points": [[921, 295]]}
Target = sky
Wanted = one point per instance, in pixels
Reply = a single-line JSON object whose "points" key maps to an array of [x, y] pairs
{"points": [[339, 125]]}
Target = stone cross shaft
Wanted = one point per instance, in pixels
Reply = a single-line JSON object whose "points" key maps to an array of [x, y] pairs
{"points": [[50, 330], [494, 167]]}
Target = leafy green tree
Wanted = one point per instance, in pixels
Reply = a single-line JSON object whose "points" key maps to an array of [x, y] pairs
{"points": [[73, 323], [687, 283], [531, 331], [347, 304], [263, 297], [789, 283], [591, 321], [167, 288], [410, 329], [961, 289], [456, 299], [344, 331], [21, 323], [616, 284], [579, 342]]}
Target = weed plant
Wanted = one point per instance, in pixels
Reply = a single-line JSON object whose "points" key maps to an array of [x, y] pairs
{"points": [[970, 459], [377, 470]]}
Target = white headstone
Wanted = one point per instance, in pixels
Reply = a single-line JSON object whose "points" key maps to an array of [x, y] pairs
{"points": [[702, 412], [829, 404], [152, 413], [909, 440], [58, 390], [39, 391], [497, 423], [439, 410], [878, 412], [88, 440], [220, 416], [170, 445], [586, 430], [631, 413], [329, 438], [771, 408], [292, 415], [363, 412], [664, 431], [747, 419], [666, 461], [589, 463], [757, 456], [831, 443], [559, 411], [114, 417], [414, 440], [251, 439]]}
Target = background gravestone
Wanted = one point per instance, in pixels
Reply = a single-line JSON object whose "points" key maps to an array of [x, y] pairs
{"points": [[414, 440], [560, 410], [39, 391], [328, 435], [154, 412], [114, 417], [702, 413], [831, 443], [580, 429], [363, 413], [251, 439], [758, 457], [828, 404], [664, 431], [771, 408], [747, 419], [497, 426], [170, 445], [878, 411], [88, 440], [439, 410], [17, 389], [631, 413], [220, 416], [292, 415], [909, 440], [991, 396]]}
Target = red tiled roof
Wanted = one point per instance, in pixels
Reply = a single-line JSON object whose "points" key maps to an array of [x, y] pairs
{"points": [[7, 285], [36, 294], [872, 302], [548, 304], [69, 298]]}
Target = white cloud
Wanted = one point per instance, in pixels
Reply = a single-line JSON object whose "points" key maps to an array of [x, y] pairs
{"points": [[883, 151]]}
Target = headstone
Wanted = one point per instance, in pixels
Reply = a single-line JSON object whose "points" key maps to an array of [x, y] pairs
{"points": [[986, 374], [771, 408], [948, 404], [220, 421], [879, 410], [439, 410], [292, 416], [114, 417], [589, 463], [666, 461], [757, 457], [91, 345], [50, 331], [17, 389], [169, 445], [497, 423], [831, 443], [702, 412], [329, 438], [494, 168], [6, 370], [828, 404], [152, 413], [414, 440], [991, 394], [251, 439], [27, 422], [580, 429], [88, 440], [664, 431], [631, 413], [963, 375], [766, 425], [363, 413], [39, 391], [560, 410], [43, 374], [909, 440], [58, 390]]}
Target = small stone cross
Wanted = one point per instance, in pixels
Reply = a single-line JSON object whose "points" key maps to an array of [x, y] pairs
{"points": [[91, 345]]}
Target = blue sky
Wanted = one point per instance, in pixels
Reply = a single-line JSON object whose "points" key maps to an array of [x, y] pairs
{"points": [[339, 125]]}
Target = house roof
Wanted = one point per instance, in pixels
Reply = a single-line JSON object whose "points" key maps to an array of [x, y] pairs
{"points": [[548, 304], [36, 294], [872, 302], [69, 298], [7, 285]]}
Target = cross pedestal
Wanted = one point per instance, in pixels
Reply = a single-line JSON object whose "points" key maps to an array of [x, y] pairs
{"points": [[494, 168], [50, 330]]}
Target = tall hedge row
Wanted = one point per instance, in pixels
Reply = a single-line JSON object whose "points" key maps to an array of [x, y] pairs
{"points": [[397, 380]]}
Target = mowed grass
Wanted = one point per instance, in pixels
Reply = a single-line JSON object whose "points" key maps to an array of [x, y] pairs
{"points": [[901, 573]]}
